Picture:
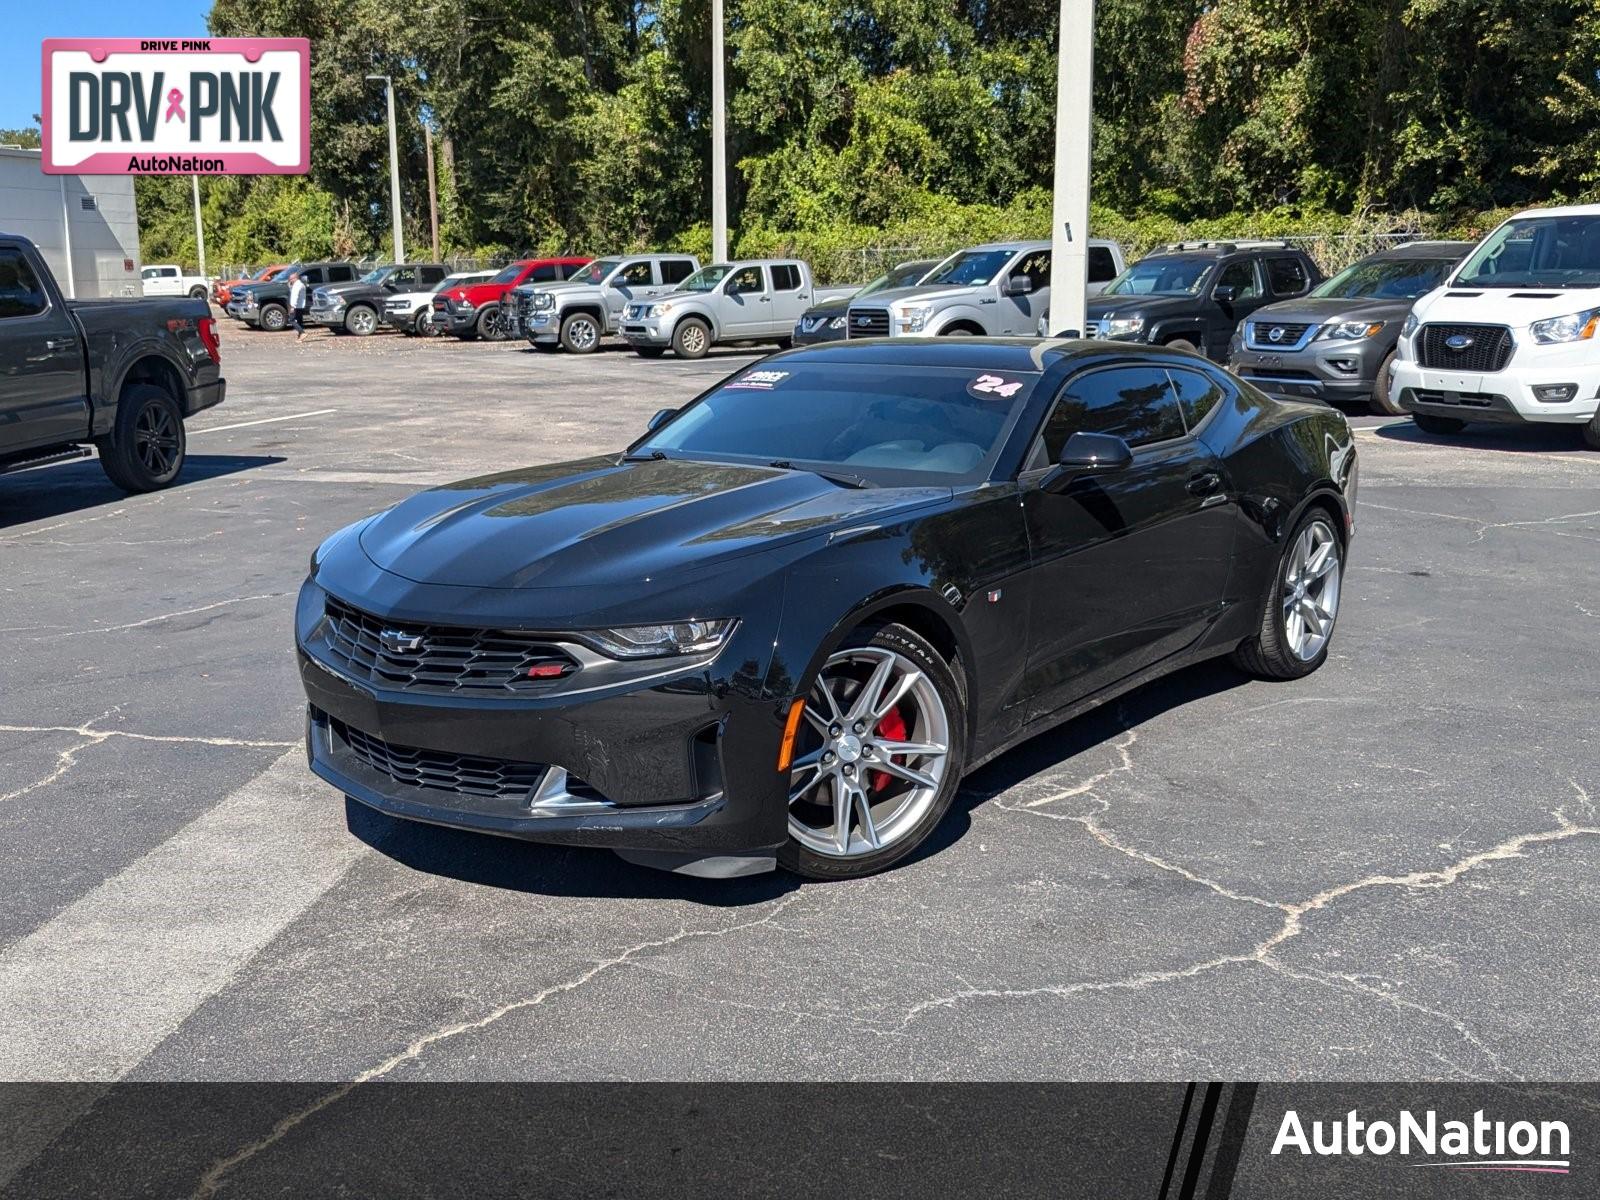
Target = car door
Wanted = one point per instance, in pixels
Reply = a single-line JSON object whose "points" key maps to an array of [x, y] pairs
{"points": [[791, 296], [1019, 315], [1129, 566], [42, 398], [1237, 291], [634, 280], [746, 309]]}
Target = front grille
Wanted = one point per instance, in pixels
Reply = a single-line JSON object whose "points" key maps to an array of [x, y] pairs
{"points": [[868, 322], [441, 658], [1275, 335], [1279, 373], [1486, 348], [463, 774]]}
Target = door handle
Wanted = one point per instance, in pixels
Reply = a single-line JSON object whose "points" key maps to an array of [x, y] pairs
{"points": [[1206, 483], [57, 343], [766, 299]]}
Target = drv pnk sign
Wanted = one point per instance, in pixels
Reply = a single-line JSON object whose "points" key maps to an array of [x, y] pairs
{"points": [[198, 106]]}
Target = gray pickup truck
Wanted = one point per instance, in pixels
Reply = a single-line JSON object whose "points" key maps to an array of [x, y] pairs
{"points": [[265, 305], [120, 375], [755, 300], [576, 314]]}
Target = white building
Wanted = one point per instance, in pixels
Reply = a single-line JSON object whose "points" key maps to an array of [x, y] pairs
{"points": [[86, 226]]}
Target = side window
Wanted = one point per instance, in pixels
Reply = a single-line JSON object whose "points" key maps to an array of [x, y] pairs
{"points": [[343, 273], [1037, 268], [1197, 394], [1241, 276], [1287, 276], [544, 273], [402, 277], [428, 276], [150, 273], [313, 275], [785, 278], [20, 293], [1102, 266], [635, 274], [1136, 404], [745, 280], [676, 270]]}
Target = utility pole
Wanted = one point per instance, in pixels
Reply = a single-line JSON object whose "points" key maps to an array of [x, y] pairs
{"points": [[719, 142], [433, 191], [1069, 233], [199, 229], [394, 168]]}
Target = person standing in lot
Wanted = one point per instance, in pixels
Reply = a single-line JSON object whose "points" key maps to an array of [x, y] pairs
{"points": [[297, 305]]}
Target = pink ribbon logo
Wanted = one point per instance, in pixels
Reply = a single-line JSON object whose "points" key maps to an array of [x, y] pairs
{"points": [[175, 105]]}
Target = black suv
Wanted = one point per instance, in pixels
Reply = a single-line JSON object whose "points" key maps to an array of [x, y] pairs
{"points": [[1193, 294], [358, 307]]}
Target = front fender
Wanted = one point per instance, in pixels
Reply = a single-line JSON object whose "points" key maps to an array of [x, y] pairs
{"points": [[961, 313], [701, 313]]}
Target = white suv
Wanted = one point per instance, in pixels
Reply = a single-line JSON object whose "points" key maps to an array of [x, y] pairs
{"points": [[1514, 334]]}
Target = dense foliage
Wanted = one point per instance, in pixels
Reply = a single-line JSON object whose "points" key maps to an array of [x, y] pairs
{"points": [[584, 124]]}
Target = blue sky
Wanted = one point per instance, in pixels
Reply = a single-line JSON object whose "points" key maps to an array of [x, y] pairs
{"points": [[29, 22]]}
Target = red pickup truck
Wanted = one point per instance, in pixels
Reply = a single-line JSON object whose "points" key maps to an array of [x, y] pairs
{"points": [[474, 311]]}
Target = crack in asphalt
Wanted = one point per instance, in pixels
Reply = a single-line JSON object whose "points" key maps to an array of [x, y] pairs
{"points": [[90, 737], [156, 620], [218, 1171], [1482, 528]]}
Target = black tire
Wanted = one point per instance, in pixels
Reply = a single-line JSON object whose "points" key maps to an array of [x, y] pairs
{"points": [[801, 859], [581, 333], [1181, 343], [274, 318], [1429, 423], [546, 347], [1591, 432], [786, 343], [490, 327], [197, 293], [361, 320], [649, 351], [1381, 404], [423, 326], [691, 339], [1267, 654], [957, 331], [147, 446]]}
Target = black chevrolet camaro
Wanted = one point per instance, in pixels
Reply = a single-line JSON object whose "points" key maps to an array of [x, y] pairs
{"points": [[782, 625]]}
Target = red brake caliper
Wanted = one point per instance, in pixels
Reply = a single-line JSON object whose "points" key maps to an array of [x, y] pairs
{"points": [[892, 727]]}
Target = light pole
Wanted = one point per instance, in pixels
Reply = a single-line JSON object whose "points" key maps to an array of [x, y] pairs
{"points": [[199, 229], [394, 168], [1069, 231], [719, 143]]}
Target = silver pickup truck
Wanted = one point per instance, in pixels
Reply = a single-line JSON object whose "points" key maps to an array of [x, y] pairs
{"points": [[588, 306], [753, 300], [996, 290]]}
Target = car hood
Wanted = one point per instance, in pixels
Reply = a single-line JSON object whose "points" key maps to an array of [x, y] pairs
{"points": [[932, 291], [833, 308], [409, 297], [1309, 310], [346, 289], [1517, 307], [608, 522], [1101, 307]]}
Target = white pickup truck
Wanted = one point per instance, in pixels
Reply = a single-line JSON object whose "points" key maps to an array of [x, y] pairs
{"points": [[168, 279], [1514, 334], [753, 300]]}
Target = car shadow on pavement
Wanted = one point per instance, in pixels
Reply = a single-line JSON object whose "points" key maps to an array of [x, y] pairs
{"points": [[1518, 439], [1054, 747], [58, 490]]}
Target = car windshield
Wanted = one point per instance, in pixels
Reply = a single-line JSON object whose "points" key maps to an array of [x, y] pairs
{"points": [[970, 268], [1561, 252], [376, 276], [596, 271], [1161, 277], [508, 274], [1386, 279], [861, 419], [450, 281], [705, 278]]}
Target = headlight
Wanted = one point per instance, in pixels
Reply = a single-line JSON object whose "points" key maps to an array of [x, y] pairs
{"points": [[659, 310], [1351, 331], [1122, 327], [249, 301], [914, 317], [838, 322], [465, 305], [658, 641], [542, 300], [1579, 327], [1410, 326]]}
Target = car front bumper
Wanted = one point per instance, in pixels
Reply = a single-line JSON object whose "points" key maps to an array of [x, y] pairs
{"points": [[403, 318], [1342, 372], [327, 317], [680, 762], [647, 331], [1501, 396], [540, 325], [455, 320], [818, 335]]}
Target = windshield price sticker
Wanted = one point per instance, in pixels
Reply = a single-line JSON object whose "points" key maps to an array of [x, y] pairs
{"points": [[762, 380], [985, 386]]}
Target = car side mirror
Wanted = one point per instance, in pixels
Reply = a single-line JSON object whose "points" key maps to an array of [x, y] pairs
{"points": [[661, 418], [1087, 454], [1018, 285], [1226, 294]]}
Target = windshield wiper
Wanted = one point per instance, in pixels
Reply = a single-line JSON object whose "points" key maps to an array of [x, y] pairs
{"points": [[651, 456], [842, 478]]}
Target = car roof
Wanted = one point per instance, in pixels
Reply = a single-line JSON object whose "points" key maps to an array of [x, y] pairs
{"points": [[968, 353], [1570, 210], [1436, 249]]}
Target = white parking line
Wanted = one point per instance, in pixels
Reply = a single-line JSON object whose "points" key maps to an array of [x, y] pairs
{"points": [[321, 412], [96, 988]]}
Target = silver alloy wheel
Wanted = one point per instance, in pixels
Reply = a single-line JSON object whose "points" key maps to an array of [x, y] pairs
{"points": [[694, 339], [582, 333], [1311, 590], [363, 321], [856, 790]]}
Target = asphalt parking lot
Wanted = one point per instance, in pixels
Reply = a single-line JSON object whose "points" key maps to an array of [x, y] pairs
{"points": [[1383, 871]]}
